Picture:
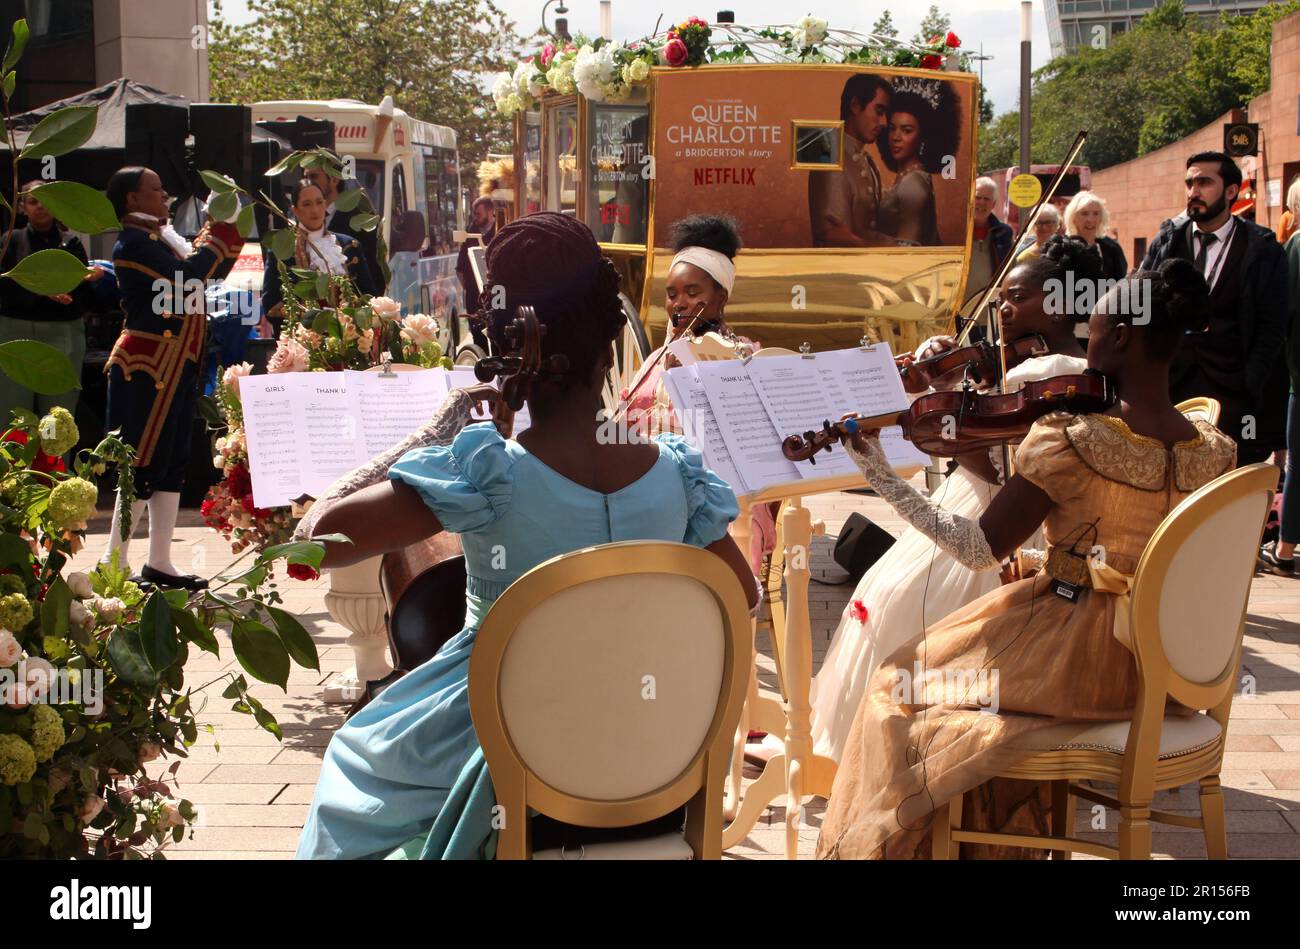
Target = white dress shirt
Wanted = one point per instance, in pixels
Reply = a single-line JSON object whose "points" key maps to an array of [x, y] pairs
{"points": [[1216, 250]]}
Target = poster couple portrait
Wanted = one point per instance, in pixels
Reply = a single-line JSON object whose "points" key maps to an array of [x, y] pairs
{"points": [[897, 137]]}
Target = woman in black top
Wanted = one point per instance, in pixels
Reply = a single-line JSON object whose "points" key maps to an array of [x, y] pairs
{"points": [[1086, 217], [55, 320]]}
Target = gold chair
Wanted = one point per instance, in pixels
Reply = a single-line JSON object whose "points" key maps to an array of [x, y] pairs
{"points": [[1200, 407], [605, 686], [1186, 640]]}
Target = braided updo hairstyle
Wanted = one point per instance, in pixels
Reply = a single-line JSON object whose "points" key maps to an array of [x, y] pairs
{"points": [[1179, 300], [1063, 259], [552, 263]]}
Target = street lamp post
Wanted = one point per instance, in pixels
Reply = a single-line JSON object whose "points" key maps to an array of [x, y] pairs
{"points": [[561, 30]]}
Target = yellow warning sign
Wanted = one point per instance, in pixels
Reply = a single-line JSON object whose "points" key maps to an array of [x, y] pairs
{"points": [[1024, 191]]}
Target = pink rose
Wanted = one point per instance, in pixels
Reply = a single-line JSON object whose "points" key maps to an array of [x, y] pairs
{"points": [[10, 651], [675, 52], [385, 308], [90, 809], [39, 675], [420, 329], [230, 378], [169, 816], [548, 53], [289, 356]]}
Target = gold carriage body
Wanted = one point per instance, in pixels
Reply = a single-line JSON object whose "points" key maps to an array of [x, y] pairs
{"points": [[744, 140]]}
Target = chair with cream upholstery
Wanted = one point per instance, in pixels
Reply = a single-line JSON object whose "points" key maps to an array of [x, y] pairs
{"points": [[1186, 639], [600, 713], [1201, 407]]}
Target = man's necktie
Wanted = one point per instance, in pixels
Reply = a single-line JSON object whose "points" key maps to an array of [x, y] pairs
{"points": [[1206, 241]]}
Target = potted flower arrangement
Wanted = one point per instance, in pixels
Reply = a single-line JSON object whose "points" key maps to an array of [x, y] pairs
{"points": [[93, 686]]}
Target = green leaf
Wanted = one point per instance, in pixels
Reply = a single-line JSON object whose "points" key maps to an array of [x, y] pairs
{"points": [[79, 207], [323, 286], [223, 205], [38, 366], [194, 630], [11, 82], [292, 160], [14, 552], [54, 610], [16, 46], [127, 656], [176, 598], [236, 688], [61, 132], [281, 242], [260, 652], [158, 632], [327, 324], [218, 182], [296, 551], [364, 222], [348, 200], [48, 272], [210, 411], [295, 638], [267, 721], [245, 222]]}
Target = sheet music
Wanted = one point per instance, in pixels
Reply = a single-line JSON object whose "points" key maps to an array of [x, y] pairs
{"points": [[271, 430], [746, 427], [798, 397], [854, 379], [700, 425], [392, 407], [329, 425]]}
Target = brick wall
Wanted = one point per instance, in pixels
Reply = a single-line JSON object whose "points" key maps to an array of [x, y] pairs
{"points": [[1141, 193]]}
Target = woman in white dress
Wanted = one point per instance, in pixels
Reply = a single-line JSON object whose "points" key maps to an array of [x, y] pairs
{"points": [[915, 584]]}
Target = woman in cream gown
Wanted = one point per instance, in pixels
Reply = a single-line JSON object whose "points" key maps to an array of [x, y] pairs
{"points": [[921, 739], [915, 583]]}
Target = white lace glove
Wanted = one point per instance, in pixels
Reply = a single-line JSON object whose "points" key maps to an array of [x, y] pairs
{"points": [[451, 417], [959, 536], [1032, 558]]}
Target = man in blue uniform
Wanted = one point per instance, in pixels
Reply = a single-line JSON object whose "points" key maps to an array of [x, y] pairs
{"points": [[153, 369]]}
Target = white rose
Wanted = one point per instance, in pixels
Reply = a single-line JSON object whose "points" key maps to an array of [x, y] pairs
{"points": [[420, 329], [149, 750], [10, 651], [109, 609], [80, 616], [385, 308], [90, 809], [809, 31], [79, 583], [221, 443]]}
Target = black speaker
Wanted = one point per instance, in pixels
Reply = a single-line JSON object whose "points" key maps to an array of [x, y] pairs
{"points": [[223, 140], [155, 138], [861, 543]]}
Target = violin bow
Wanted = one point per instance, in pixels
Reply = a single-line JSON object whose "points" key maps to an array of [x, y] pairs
{"points": [[1050, 192]]}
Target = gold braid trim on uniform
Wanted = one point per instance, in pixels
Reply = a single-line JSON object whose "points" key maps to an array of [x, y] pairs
{"points": [[1110, 448]]}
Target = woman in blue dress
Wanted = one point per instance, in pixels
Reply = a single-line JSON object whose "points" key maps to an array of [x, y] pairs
{"points": [[405, 777]]}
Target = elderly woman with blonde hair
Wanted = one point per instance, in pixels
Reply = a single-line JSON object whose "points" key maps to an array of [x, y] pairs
{"points": [[1086, 217], [1046, 227]]}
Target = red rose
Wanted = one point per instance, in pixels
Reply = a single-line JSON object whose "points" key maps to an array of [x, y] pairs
{"points": [[300, 571], [951, 40], [676, 53], [246, 502], [206, 507], [238, 480], [933, 61], [858, 610], [696, 21]]}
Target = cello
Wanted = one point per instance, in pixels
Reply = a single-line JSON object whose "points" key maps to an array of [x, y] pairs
{"points": [[424, 584]]}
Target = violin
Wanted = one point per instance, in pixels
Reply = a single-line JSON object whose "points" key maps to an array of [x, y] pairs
{"points": [[981, 360], [952, 423]]}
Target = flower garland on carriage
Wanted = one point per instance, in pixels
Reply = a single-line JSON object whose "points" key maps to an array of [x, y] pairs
{"points": [[604, 71]]}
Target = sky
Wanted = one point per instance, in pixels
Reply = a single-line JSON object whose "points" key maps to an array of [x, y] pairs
{"points": [[993, 23]]}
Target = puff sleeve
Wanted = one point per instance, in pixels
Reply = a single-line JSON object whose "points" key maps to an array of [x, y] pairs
{"points": [[710, 503], [468, 483], [1048, 459]]}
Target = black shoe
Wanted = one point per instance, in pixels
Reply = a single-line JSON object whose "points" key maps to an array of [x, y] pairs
{"points": [[185, 581], [1270, 562]]}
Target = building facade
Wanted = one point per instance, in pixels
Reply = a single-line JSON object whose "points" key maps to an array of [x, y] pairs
{"points": [[1077, 24], [76, 45]]}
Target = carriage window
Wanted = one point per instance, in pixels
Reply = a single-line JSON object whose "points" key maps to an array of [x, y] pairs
{"points": [[562, 159], [532, 155], [818, 146], [618, 182]]}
